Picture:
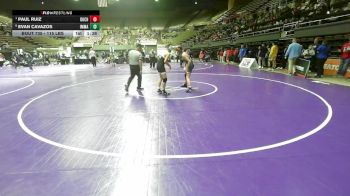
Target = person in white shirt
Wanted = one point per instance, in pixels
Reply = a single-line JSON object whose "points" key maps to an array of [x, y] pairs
{"points": [[2, 59], [135, 62], [92, 57]]}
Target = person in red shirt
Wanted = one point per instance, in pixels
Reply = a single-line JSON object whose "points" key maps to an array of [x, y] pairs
{"points": [[344, 58], [228, 55]]}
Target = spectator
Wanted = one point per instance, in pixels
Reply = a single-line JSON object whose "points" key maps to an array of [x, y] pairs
{"points": [[231, 56], [242, 52], [224, 55], [317, 41], [201, 55], [309, 53], [153, 59], [344, 58], [293, 53], [273, 55], [258, 57], [228, 55], [221, 55], [322, 53], [235, 55], [262, 56], [270, 15], [252, 52], [5, 46], [2, 59], [177, 57]]}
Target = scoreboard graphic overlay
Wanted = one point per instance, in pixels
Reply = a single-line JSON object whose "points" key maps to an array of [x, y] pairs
{"points": [[56, 23]]}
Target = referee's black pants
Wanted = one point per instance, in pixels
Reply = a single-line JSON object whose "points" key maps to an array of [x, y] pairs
{"points": [[135, 71], [93, 61]]}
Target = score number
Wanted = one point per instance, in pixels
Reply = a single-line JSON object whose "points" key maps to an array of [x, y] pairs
{"points": [[84, 19], [91, 33]]}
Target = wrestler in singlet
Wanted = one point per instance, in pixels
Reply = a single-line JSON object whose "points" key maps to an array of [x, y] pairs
{"points": [[162, 61], [188, 70]]}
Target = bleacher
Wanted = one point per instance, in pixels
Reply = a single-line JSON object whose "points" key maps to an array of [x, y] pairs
{"points": [[180, 37], [128, 36], [15, 42], [262, 17], [91, 40], [251, 6]]}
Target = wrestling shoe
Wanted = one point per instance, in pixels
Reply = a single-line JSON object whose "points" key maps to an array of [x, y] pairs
{"points": [[126, 88], [189, 90], [165, 93]]}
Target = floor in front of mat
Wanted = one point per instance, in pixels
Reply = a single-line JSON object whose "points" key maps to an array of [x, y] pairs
{"points": [[73, 130]]}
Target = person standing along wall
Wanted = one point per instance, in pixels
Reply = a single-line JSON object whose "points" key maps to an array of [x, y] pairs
{"points": [[153, 59], [344, 58], [235, 54], [309, 53], [317, 41], [293, 53], [273, 56], [224, 55], [228, 55], [322, 53], [179, 53], [2, 59], [242, 52], [262, 56], [221, 55]]}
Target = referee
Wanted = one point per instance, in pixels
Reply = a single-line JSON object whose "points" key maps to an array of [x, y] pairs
{"points": [[92, 56], [135, 61]]}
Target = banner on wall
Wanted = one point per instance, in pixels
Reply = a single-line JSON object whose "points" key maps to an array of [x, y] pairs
{"points": [[82, 45], [248, 63], [331, 67], [148, 42], [302, 67]]}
